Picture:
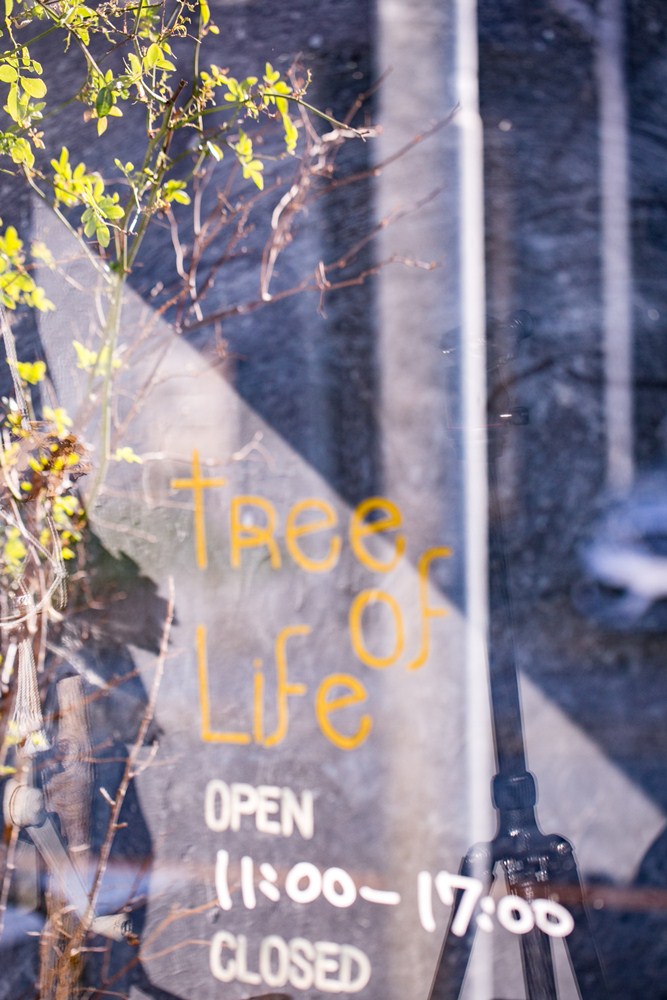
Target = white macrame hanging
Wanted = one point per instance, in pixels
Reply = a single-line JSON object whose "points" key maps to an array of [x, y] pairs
{"points": [[28, 721]]}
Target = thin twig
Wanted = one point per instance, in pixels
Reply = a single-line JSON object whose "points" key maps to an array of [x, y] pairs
{"points": [[128, 774], [314, 283], [7, 875]]}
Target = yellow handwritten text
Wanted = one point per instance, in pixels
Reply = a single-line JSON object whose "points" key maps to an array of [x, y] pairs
{"points": [[313, 540], [346, 733]]}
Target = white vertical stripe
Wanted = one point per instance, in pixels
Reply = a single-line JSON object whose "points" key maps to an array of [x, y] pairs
{"points": [[471, 222], [615, 250]]}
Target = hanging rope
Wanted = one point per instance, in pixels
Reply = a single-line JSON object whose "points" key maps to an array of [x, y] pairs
{"points": [[28, 721]]}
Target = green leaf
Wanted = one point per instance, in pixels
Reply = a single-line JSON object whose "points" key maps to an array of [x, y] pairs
{"points": [[205, 13], [271, 75], [244, 146], [21, 152], [9, 6], [126, 454], [176, 191], [104, 102], [11, 243], [31, 371], [12, 105], [40, 251], [60, 418], [253, 169], [291, 134], [68, 504], [85, 358], [33, 86], [276, 91], [135, 64], [40, 301], [14, 551], [114, 211], [8, 74], [103, 236], [153, 56]]}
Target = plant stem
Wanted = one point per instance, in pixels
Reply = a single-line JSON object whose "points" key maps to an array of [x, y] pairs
{"points": [[130, 769], [110, 341], [99, 266]]}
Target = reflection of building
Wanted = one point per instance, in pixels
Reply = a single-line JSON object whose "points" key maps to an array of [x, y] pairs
{"points": [[573, 168]]}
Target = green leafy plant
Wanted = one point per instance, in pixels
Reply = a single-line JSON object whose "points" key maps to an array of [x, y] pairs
{"points": [[123, 60], [151, 64]]}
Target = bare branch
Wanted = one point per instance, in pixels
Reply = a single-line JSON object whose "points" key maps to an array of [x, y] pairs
{"points": [[76, 942]]}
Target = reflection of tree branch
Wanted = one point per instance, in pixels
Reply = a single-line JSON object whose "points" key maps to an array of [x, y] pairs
{"points": [[135, 750], [315, 178], [320, 281], [317, 282], [170, 949], [377, 169], [129, 772], [175, 914], [178, 913]]}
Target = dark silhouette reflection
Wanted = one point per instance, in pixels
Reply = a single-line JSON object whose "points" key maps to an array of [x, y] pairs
{"points": [[114, 607], [111, 606], [631, 920], [535, 866]]}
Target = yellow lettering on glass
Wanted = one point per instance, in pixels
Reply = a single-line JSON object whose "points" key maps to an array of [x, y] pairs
{"points": [[426, 611], [246, 535], [359, 605], [293, 531], [207, 734], [258, 701], [360, 528], [284, 689], [326, 706], [198, 485]]}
